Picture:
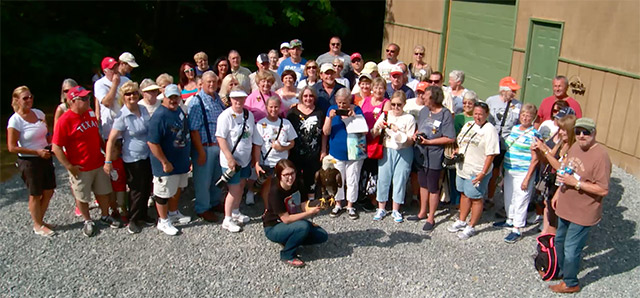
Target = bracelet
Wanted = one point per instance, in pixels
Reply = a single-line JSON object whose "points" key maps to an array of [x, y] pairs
{"points": [[107, 162], [578, 185], [546, 152]]}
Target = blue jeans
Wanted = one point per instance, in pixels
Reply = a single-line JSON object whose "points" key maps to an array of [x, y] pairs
{"points": [[570, 240], [204, 179], [395, 165], [300, 232]]}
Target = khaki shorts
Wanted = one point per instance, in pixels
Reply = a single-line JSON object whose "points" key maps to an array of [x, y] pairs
{"points": [[167, 186], [95, 181]]}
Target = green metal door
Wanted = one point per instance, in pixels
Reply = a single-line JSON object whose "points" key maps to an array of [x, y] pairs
{"points": [[542, 60], [479, 43]]}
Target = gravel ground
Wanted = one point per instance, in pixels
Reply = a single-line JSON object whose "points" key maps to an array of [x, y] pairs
{"points": [[362, 257]]}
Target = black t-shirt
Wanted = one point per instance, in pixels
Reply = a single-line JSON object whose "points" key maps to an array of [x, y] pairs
{"points": [[281, 201], [309, 130]]}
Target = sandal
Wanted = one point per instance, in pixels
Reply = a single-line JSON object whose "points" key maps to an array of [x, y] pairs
{"points": [[44, 231], [295, 262]]}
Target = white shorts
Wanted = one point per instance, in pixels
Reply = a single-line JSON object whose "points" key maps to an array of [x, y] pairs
{"points": [[167, 186]]}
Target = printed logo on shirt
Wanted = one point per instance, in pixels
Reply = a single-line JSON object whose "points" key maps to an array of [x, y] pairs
{"points": [[82, 127]]}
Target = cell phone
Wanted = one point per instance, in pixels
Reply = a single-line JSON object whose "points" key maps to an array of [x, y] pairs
{"points": [[342, 112]]}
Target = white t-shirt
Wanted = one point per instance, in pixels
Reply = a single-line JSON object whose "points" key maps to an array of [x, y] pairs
{"points": [[411, 107], [100, 89], [548, 129], [229, 128], [406, 127], [267, 131], [150, 108], [32, 135], [482, 141], [384, 68]]}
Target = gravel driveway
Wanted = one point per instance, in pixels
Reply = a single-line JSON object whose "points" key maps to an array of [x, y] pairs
{"points": [[362, 258]]}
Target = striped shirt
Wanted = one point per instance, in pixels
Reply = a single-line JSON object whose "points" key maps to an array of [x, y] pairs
{"points": [[518, 156]]}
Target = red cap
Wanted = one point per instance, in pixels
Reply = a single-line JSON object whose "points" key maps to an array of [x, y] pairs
{"points": [[422, 86], [77, 91], [510, 83], [356, 55], [108, 63]]}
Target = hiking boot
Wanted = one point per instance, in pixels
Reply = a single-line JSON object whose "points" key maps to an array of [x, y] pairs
{"points": [[457, 226]]}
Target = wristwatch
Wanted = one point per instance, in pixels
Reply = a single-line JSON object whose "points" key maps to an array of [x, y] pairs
{"points": [[578, 185]]}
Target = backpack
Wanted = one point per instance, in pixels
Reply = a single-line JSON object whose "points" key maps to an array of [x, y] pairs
{"points": [[546, 261]]}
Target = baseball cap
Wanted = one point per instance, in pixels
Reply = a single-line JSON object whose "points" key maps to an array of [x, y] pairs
{"points": [[587, 123], [77, 91], [365, 75], [395, 70], [129, 59], [262, 58], [285, 45], [296, 43], [370, 67], [510, 83], [422, 86], [326, 67], [108, 63], [356, 56], [564, 112], [237, 93], [171, 89]]}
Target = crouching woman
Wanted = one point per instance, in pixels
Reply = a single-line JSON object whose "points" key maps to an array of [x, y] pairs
{"points": [[285, 219]]}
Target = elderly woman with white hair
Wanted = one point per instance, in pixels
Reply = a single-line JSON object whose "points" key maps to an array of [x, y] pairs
{"points": [[150, 92], [348, 149], [456, 90]]}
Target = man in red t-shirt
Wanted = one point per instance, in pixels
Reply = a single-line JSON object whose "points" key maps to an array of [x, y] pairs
{"points": [[77, 132], [560, 85]]}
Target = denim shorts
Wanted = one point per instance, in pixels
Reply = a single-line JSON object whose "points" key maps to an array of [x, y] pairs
{"points": [[244, 173], [466, 187]]}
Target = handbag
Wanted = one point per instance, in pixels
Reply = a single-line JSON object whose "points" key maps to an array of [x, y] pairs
{"points": [[374, 146]]}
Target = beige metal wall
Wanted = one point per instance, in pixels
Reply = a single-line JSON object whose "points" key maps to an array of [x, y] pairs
{"points": [[412, 22], [596, 34]]}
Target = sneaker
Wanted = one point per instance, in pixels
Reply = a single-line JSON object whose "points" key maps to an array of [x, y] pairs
{"points": [[231, 226], [503, 224], [77, 212], [534, 219], [336, 211], [111, 222], [250, 199], [179, 218], [133, 228], [397, 216], [467, 233], [512, 237], [166, 227], [88, 229], [240, 218], [353, 214], [380, 214], [457, 226]]}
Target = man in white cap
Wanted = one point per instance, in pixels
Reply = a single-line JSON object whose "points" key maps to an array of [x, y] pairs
{"points": [[262, 61], [384, 67], [127, 64], [327, 89], [284, 50], [295, 62], [335, 51], [170, 144], [242, 73], [106, 92]]}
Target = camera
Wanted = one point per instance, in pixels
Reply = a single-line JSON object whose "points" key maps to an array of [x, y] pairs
{"points": [[261, 179], [421, 135], [226, 176], [342, 112], [450, 162]]}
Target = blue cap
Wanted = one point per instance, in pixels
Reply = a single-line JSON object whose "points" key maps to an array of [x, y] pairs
{"points": [[564, 112], [171, 89]]}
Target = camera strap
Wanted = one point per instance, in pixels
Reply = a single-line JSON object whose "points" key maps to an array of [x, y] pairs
{"points": [[504, 117], [472, 136], [244, 123], [264, 157]]}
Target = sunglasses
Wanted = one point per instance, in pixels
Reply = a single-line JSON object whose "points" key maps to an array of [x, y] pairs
{"points": [[335, 44], [433, 81], [390, 51], [419, 54], [27, 97], [188, 70], [130, 93], [83, 98], [338, 65], [582, 131], [395, 104], [481, 104], [312, 67]]}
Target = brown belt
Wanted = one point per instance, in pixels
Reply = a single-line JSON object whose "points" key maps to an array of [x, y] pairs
{"points": [[209, 144]]}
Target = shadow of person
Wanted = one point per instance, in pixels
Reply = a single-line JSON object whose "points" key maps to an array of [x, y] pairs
{"points": [[342, 244], [611, 248]]}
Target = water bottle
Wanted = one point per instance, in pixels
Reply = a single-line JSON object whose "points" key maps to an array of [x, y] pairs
{"points": [[560, 171]]}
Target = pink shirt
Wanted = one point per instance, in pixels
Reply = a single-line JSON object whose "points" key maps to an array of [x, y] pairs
{"points": [[256, 103], [544, 112]]}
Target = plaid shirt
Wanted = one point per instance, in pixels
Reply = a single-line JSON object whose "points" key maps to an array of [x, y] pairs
{"points": [[213, 106]]}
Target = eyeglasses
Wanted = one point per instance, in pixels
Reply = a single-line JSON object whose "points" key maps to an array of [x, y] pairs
{"points": [[419, 54], [396, 104], [188, 70], [582, 131], [130, 93], [335, 44], [292, 174], [390, 51], [356, 60], [312, 67], [433, 81], [27, 97], [338, 65]]}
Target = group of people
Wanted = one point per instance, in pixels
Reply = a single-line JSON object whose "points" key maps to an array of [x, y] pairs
{"points": [[241, 133]]}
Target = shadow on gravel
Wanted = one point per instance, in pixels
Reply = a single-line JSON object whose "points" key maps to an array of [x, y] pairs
{"points": [[611, 249], [342, 244]]}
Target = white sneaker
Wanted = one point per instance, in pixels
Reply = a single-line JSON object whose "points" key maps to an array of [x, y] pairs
{"points": [[534, 219], [397, 216], [457, 226], [240, 218], [250, 199], [380, 214], [166, 227], [179, 218], [467, 233], [231, 226]]}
